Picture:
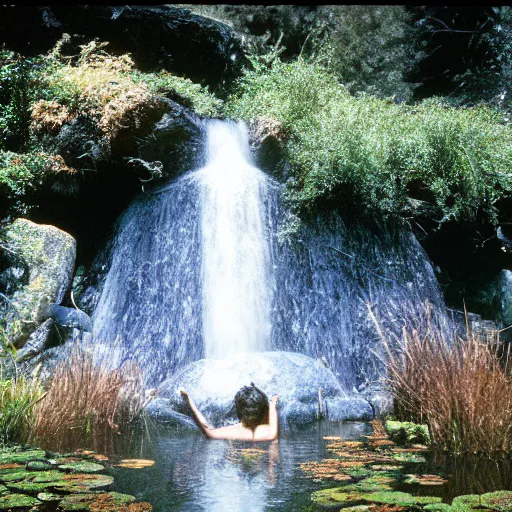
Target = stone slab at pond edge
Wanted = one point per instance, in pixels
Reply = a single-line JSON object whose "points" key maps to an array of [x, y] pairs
{"points": [[296, 378]]}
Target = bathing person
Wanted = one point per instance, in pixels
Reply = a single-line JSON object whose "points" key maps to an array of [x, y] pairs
{"points": [[258, 417]]}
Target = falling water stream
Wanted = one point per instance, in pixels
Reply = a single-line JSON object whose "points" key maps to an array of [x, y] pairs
{"points": [[235, 246]]}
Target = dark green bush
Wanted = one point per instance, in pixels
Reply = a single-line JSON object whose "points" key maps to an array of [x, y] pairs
{"points": [[371, 154], [18, 78]]}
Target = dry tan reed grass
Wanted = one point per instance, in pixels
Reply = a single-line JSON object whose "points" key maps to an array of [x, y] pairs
{"points": [[86, 401], [461, 388]]}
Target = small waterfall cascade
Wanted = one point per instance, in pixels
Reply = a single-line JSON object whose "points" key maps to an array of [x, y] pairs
{"points": [[198, 269], [234, 246], [190, 264]]}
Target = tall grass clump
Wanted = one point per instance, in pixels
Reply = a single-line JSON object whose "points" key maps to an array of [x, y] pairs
{"points": [[372, 154], [18, 399], [86, 402], [460, 388]]}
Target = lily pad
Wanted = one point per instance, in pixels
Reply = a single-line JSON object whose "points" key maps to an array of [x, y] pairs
{"points": [[14, 501], [82, 483], [426, 480], [500, 500], [21, 456], [338, 496], [39, 465], [82, 466], [143, 463], [111, 501]]}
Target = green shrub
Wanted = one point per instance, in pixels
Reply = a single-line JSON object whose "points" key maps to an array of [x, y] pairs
{"points": [[371, 154], [22, 173], [183, 90], [18, 78], [405, 432], [18, 397]]}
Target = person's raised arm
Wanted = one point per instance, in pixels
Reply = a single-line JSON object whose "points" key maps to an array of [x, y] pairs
{"points": [[272, 417], [198, 417]]}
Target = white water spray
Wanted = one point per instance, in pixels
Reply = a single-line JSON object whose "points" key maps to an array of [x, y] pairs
{"points": [[235, 246]]}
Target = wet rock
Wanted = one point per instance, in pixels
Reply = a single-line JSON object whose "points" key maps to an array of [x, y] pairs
{"points": [[267, 140], [50, 255], [37, 341], [175, 141], [14, 271], [159, 37], [68, 317], [296, 378], [159, 410]]}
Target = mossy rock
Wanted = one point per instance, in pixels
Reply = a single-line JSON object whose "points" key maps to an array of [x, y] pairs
{"points": [[111, 501], [499, 500], [50, 255], [339, 497], [17, 501], [405, 432], [16, 457], [82, 466]]}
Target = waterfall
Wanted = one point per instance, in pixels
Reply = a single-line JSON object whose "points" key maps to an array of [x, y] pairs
{"points": [[198, 269], [234, 246]]}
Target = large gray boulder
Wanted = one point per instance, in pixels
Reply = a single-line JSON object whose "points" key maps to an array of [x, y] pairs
{"points": [[296, 378], [50, 255]]}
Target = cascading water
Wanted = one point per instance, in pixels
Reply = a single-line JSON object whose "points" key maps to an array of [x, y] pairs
{"points": [[198, 270], [235, 246], [189, 276]]}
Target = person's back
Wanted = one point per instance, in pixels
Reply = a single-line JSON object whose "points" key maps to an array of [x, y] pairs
{"points": [[258, 418]]}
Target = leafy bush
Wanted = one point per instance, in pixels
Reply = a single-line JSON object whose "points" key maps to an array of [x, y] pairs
{"points": [[460, 388], [18, 78], [371, 154], [21, 173], [107, 88], [183, 90]]}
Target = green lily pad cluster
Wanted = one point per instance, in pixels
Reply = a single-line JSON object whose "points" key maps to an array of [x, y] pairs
{"points": [[29, 480], [371, 471]]}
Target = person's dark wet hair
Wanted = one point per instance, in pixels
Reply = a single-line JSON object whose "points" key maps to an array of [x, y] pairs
{"points": [[251, 406]]}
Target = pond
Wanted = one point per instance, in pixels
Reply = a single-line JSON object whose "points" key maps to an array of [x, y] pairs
{"points": [[192, 473]]}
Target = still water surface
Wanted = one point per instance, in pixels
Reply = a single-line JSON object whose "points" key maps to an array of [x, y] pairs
{"points": [[192, 473]]}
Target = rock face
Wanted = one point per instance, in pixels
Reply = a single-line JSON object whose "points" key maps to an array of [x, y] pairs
{"points": [[159, 37], [50, 255], [69, 317], [296, 378]]}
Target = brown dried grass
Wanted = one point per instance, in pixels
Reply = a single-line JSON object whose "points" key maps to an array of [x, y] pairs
{"points": [[461, 388], [85, 402]]}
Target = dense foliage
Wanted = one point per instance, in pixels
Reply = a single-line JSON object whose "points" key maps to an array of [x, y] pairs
{"points": [[371, 153], [39, 96]]}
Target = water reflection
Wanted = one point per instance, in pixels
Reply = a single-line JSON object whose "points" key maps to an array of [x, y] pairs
{"points": [[193, 473]]}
